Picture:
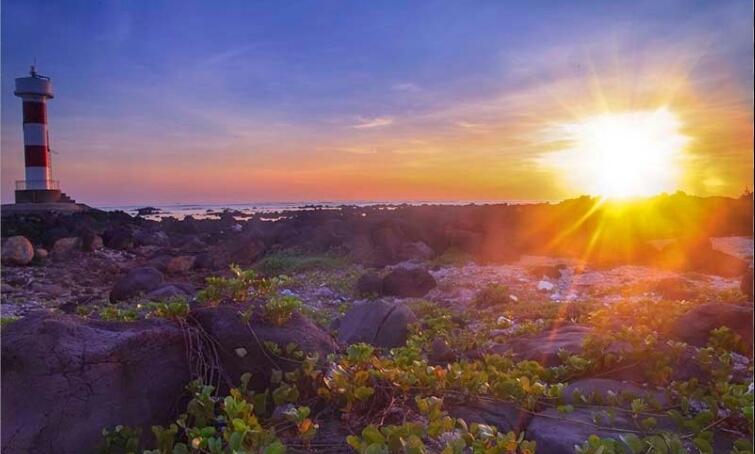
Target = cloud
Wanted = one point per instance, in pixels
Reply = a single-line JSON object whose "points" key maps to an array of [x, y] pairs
{"points": [[376, 122], [406, 87]]}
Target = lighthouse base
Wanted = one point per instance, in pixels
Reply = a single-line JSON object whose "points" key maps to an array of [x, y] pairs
{"points": [[42, 196]]}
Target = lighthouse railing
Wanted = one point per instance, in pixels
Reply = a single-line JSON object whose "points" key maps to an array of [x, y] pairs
{"points": [[23, 185]]}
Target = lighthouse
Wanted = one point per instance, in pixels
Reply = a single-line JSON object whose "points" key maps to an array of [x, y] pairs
{"points": [[38, 187]]}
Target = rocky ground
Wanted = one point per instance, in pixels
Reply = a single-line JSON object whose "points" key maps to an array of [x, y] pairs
{"points": [[111, 311]]}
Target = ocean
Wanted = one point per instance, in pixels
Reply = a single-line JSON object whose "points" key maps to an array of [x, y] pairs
{"points": [[241, 210]]}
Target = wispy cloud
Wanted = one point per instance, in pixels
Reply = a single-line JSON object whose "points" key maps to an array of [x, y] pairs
{"points": [[406, 87], [376, 122]]}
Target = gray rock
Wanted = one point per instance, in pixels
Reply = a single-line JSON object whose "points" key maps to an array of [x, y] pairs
{"points": [[64, 379], [17, 250], [137, 281], [505, 416], [408, 282], [544, 347], [370, 283], [380, 323], [169, 291], [65, 247], [226, 326], [694, 327]]}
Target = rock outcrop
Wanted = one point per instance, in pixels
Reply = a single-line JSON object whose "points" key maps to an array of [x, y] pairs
{"points": [[64, 379], [380, 323], [17, 250]]}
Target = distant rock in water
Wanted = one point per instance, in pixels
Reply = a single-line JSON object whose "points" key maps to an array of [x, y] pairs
{"points": [[146, 211]]}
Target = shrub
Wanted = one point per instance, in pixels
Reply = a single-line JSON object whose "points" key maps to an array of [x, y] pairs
{"points": [[291, 261], [279, 309], [493, 295]]}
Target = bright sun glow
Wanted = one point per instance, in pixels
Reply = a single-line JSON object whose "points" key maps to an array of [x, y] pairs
{"points": [[621, 155]]}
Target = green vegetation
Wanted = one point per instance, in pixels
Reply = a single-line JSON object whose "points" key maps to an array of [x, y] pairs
{"points": [[292, 261], [279, 309], [5, 321], [363, 386]]}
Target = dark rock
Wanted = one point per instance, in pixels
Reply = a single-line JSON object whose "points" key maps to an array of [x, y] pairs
{"points": [[380, 323], [145, 211], [370, 283], [241, 345], [674, 288], [440, 352], [137, 281], [699, 255], [408, 282], [17, 250], [694, 326], [151, 238], [550, 271], [544, 347], [746, 283], [505, 416], [118, 238], [64, 379], [169, 291], [597, 391], [416, 250], [65, 247]]}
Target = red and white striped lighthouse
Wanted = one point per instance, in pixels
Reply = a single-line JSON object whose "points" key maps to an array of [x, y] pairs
{"points": [[35, 90]]}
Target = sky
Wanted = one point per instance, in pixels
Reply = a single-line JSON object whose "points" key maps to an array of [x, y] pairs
{"points": [[161, 102]]}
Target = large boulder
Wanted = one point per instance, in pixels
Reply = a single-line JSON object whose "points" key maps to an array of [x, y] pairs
{"points": [[119, 238], [64, 379], [180, 264], [699, 255], [65, 247], [17, 250], [557, 433], [135, 282], [544, 347], [408, 282], [694, 326], [505, 416], [370, 283], [380, 323], [241, 343]]}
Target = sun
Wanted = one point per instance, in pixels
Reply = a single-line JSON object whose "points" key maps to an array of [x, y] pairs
{"points": [[621, 155]]}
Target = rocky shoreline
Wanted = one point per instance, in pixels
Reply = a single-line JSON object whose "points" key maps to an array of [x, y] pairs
{"points": [[84, 331]]}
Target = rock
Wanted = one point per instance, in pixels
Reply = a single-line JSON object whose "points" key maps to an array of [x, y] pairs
{"points": [[148, 238], [168, 291], [64, 379], [557, 433], [137, 281], [544, 347], [226, 326], [65, 247], [40, 253], [408, 282], [370, 284], [440, 352], [746, 283], [416, 250], [545, 286], [699, 255], [17, 250], [380, 323], [549, 271], [674, 288], [90, 241], [145, 211], [180, 264], [695, 325], [597, 391], [505, 416], [50, 289], [119, 238]]}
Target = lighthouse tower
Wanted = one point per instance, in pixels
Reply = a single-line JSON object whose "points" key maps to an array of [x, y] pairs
{"points": [[38, 186]]}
